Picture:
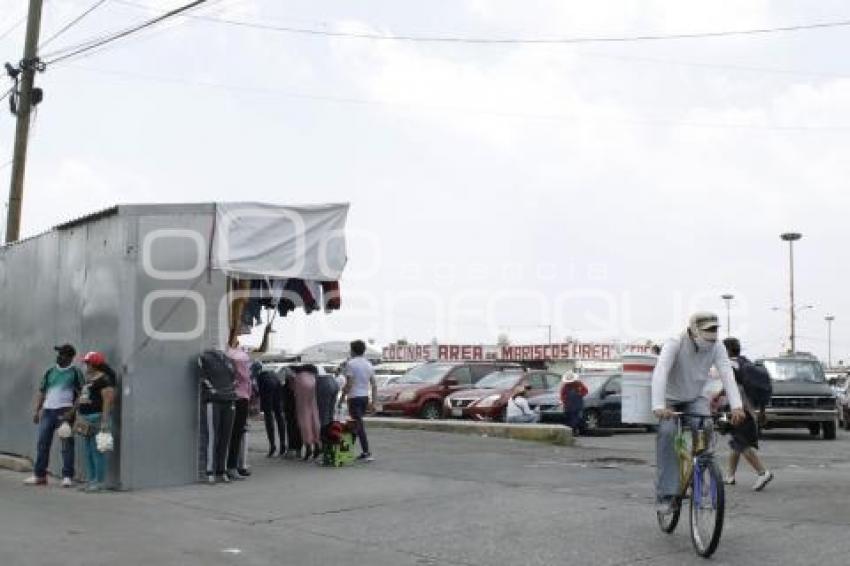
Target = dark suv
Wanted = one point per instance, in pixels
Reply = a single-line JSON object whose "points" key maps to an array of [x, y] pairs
{"points": [[421, 391], [802, 398]]}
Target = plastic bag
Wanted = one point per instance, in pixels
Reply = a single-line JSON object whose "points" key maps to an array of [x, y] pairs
{"points": [[104, 442], [64, 431], [341, 413]]}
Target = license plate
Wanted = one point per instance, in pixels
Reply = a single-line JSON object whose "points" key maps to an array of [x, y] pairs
{"points": [[457, 412]]}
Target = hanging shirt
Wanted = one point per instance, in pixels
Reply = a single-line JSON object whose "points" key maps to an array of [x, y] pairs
{"points": [[60, 386], [242, 363]]}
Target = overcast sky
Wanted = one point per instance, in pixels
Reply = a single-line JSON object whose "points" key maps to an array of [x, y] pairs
{"points": [[606, 189]]}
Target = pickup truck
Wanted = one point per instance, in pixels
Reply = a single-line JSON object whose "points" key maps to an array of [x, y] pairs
{"points": [[802, 398]]}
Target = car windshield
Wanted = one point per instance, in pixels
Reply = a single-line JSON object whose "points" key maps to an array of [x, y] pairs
{"points": [[795, 370], [594, 382], [499, 380], [428, 373]]}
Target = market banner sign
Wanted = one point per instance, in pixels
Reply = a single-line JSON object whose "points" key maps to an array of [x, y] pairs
{"points": [[527, 352]]}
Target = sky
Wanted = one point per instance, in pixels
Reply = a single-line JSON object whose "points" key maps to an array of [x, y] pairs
{"points": [[604, 189]]}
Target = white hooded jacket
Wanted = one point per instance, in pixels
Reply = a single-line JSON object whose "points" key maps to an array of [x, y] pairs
{"points": [[682, 372]]}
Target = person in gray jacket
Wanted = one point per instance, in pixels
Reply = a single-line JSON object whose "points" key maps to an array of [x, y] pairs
{"points": [[679, 385]]}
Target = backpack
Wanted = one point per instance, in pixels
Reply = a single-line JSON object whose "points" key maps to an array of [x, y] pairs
{"points": [[756, 383]]}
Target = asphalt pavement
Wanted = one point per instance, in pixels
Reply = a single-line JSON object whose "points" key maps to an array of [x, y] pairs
{"points": [[435, 498]]}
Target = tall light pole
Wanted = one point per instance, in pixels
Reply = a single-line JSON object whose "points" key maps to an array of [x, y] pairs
{"points": [[791, 237], [829, 318], [728, 298]]}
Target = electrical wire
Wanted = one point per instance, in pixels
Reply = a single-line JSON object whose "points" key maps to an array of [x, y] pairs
{"points": [[85, 47], [73, 22], [270, 91], [505, 40], [15, 26]]}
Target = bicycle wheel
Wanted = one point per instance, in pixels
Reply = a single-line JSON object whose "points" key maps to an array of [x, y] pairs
{"points": [[668, 521], [707, 507]]}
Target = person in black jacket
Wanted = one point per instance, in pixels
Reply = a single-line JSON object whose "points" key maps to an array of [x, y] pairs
{"points": [[745, 436], [218, 397], [290, 413], [271, 404]]}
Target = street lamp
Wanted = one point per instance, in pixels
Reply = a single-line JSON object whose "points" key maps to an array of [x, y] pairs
{"points": [[829, 318], [791, 237], [728, 298]]}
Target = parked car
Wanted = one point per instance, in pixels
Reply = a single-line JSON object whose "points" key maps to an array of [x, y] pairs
{"points": [[388, 373], [603, 405], [422, 391], [488, 399], [802, 398]]}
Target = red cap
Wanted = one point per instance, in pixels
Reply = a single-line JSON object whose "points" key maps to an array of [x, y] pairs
{"points": [[94, 359]]}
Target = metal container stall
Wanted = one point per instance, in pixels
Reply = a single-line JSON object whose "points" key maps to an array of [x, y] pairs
{"points": [[133, 282]]}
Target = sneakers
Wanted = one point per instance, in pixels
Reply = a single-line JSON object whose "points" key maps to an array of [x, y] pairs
{"points": [[211, 479], [365, 457], [244, 472], [232, 475], [33, 480], [730, 480], [67, 482], [666, 506], [763, 480]]}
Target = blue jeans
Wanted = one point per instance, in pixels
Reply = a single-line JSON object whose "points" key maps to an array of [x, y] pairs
{"points": [[667, 461], [357, 410], [95, 460], [50, 421]]}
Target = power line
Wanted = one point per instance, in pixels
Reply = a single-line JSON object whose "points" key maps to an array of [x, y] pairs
{"points": [[15, 26], [73, 22], [85, 47], [270, 91], [504, 40]]}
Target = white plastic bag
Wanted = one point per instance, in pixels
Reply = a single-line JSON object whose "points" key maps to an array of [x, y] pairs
{"points": [[104, 442], [64, 431], [341, 413]]}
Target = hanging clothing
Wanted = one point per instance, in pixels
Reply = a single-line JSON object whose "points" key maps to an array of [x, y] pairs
{"points": [[327, 391], [290, 411], [308, 409], [332, 298]]}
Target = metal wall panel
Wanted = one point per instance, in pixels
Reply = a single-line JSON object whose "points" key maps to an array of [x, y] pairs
{"points": [[172, 296], [91, 284]]}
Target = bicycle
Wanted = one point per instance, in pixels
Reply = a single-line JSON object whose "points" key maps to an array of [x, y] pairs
{"points": [[701, 482]]}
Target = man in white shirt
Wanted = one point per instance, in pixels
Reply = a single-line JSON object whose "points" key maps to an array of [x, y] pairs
{"points": [[359, 382], [679, 385], [518, 410]]}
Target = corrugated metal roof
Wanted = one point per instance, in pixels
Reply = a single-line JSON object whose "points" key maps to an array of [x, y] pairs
{"points": [[111, 211]]}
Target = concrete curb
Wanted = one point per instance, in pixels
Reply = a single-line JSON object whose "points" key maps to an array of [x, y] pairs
{"points": [[15, 464], [550, 434]]}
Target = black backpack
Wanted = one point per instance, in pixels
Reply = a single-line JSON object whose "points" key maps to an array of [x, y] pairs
{"points": [[755, 380]]}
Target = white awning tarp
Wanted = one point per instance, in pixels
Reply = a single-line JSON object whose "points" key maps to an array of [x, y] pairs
{"points": [[262, 240]]}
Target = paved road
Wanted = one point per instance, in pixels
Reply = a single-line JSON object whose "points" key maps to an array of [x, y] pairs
{"points": [[433, 498]]}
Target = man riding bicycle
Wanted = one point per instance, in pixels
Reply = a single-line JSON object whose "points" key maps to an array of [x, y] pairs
{"points": [[679, 385]]}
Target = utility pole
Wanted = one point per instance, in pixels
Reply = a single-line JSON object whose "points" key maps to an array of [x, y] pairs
{"points": [[29, 65], [829, 319], [728, 298], [791, 237]]}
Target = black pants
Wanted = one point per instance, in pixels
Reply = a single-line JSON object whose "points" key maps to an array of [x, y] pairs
{"points": [[216, 430], [271, 403], [290, 413], [357, 410], [240, 419]]}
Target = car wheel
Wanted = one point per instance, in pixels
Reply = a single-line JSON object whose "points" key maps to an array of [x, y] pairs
{"points": [[814, 429], [591, 421], [431, 411], [829, 430]]}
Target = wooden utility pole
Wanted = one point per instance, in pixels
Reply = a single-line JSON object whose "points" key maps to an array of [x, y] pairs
{"points": [[29, 65]]}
